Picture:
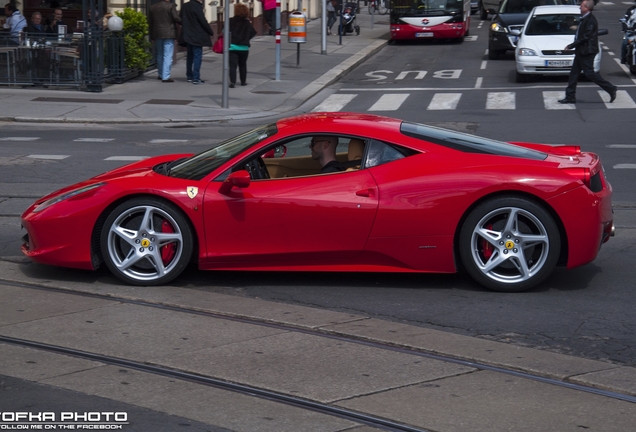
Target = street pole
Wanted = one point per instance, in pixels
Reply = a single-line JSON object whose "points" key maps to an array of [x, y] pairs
{"points": [[323, 31], [278, 40], [225, 94]]}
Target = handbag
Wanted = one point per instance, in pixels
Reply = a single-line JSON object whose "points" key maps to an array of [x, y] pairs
{"points": [[218, 45], [181, 40]]}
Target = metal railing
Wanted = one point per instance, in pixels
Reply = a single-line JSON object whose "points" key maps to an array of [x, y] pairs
{"points": [[85, 61]]}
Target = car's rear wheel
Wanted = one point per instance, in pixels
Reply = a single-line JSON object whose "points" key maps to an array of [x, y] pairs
{"points": [[146, 241], [509, 244]]}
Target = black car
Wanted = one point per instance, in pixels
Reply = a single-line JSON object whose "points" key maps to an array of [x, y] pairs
{"points": [[509, 20]]}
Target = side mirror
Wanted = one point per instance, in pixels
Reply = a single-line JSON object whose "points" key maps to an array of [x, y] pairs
{"points": [[239, 179], [276, 152], [602, 32]]}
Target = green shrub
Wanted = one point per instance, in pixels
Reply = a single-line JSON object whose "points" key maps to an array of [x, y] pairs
{"points": [[136, 44]]}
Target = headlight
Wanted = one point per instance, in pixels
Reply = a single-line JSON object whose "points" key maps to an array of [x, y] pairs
{"points": [[66, 195], [496, 27], [526, 52]]}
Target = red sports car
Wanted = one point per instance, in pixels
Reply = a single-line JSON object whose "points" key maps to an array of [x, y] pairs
{"points": [[405, 198]]}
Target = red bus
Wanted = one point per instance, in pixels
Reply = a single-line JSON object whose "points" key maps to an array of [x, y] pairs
{"points": [[432, 19]]}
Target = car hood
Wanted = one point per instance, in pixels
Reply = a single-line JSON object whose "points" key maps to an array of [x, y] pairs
{"points": [[140, 168], [545, 43]]}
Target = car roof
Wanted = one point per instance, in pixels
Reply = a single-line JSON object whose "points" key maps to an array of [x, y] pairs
{"points": [[556, 9], [338, 122]]}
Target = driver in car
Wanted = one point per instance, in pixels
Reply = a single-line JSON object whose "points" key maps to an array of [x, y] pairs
{"points": [[323, 149]]}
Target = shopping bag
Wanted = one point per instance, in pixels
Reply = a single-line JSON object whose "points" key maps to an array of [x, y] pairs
{"points": [[218, 45]]}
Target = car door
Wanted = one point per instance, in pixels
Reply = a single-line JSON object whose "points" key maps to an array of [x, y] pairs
{"points": [[307, 221]]}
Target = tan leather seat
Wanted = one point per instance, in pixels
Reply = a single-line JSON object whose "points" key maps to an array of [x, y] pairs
{"points": [[355, 152]]}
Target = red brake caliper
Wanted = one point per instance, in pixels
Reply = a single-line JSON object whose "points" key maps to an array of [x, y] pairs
{"points": [[486, 248], [167, 251]]}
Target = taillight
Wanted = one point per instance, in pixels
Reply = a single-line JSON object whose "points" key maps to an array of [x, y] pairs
{"points": [[583, 174]]}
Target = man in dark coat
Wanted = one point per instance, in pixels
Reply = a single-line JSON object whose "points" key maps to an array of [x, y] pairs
{"points": [[586, 47], [162, 21], [56, 21], [196, 34], [36, 28]]}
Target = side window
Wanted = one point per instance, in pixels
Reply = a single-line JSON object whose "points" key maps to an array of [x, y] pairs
{"points": [[379, 153], [299, 160]]}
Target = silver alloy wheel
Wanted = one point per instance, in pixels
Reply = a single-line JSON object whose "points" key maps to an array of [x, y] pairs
{"points": [[138, 237], [510, 245]]}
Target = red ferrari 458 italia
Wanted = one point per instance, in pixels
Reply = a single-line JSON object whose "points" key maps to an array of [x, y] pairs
{"points": [[404, 197]]}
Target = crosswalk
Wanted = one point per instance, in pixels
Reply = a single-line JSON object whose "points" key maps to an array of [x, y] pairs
{"points": [[492, 100]]}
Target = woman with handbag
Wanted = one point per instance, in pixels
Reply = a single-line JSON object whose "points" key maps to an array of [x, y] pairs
{"points": [[241, 31]]}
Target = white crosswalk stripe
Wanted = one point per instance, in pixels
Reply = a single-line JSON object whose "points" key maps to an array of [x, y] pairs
{"points": [[551, 101], [389, 102], [501, 100], [444, 101], [19, 138], [622, 100], [335, 102], [494, 100]]}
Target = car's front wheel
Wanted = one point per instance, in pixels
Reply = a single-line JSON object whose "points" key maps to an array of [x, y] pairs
{"points": [[146, 241], [494, 54], [509, 244], [521, 78]]}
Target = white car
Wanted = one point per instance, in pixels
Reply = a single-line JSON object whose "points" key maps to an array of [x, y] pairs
{"points": [[540, 49]]}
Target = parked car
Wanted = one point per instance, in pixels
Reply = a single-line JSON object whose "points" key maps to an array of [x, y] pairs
{"points": [[412, 198], [546, 32], [508, 21]]}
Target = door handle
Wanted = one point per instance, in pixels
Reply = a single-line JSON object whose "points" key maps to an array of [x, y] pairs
{"points": [[369, 193]]}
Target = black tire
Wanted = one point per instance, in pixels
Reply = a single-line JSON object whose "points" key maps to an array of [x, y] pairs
{"points": [[483, 13], [146, 242], [494, 54], [509, 244], [521, 78]]}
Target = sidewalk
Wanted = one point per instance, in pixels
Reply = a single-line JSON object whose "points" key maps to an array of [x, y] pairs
{"points": [[148, 100], [426, 393]]}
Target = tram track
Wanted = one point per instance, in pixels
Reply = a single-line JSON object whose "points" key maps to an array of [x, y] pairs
{"points": [[343, 413], [319, 332]]}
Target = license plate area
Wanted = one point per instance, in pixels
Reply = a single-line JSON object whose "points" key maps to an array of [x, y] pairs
{"points": [[424, 35], [558, 63]]}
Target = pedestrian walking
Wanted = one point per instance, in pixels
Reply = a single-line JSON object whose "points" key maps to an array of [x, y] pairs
{"points": [[331, 15], [586, 47], [162, 20], [196, 34], [269, 14], [241, 31]]}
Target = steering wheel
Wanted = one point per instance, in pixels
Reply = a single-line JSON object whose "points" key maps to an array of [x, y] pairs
{"points": [[257, 169]]}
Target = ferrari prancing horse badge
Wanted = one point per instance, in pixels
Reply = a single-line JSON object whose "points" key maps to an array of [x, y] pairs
{"points": [[192, 191]]}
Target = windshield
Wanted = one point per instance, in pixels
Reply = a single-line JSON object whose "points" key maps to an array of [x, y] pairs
{"points": [[526, 6], [425, 8], [551, 25], [198, 166], [468, 143]]}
